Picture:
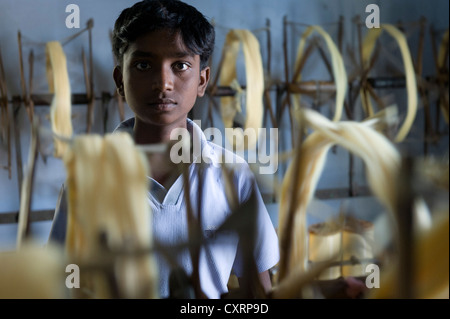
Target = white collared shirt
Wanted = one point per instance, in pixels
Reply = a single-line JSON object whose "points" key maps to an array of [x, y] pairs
{"points": [[221, 255]]}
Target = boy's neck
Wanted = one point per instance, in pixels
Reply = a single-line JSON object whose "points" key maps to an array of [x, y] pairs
{"points": [[145, 133]]}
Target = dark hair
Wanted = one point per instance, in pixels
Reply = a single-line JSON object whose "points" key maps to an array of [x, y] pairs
{"points": [[151, 15]]}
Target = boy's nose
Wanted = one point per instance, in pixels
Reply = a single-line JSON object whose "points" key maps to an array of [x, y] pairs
{"points": [[163, 80]]}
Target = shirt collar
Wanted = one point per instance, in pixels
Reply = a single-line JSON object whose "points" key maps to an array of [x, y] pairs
{"points": [[206, 150]]}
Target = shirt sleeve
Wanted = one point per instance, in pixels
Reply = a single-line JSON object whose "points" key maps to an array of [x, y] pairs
{"points": [[265, 250]]}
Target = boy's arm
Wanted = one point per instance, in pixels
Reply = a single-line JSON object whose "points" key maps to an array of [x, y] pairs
{"points": [[265, 251], [264, 278]]}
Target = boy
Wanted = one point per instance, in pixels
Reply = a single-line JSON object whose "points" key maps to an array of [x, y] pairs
{"points": [[162, 48]]}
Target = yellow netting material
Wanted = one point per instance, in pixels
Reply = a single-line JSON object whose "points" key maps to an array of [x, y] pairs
{"points": [[382, 164], [339, 73], [107, 193], [411, 85], [33, 272], [254, 84], [430, 277], [59, 85]]}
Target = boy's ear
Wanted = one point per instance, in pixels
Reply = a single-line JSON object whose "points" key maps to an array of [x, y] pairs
{"points": [[118, 79], [204, 79]]}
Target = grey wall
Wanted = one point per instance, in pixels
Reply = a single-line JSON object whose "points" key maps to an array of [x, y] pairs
{"points": [[44, 20]]}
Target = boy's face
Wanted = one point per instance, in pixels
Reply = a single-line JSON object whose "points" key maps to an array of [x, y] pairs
{"points": [[161, 79]]}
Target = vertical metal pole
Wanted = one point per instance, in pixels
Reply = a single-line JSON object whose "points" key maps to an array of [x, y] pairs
{"points": [[404, 213], [16, 130]]}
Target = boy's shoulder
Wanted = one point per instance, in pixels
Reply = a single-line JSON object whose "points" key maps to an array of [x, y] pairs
{"points": [[218, 156], [125, 126]]}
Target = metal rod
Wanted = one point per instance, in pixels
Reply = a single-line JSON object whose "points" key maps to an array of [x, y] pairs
{"points": [[22, 78], [24, 229], [106, 98], [269, 48], [405, 230], [5, 125], [48, 214], [47, 98], [15, 127], [286, 74], [91, 103], [340, 32]]}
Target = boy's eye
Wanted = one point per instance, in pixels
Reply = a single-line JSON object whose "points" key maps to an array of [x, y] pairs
{"points": [[181, 66], [142, 66]]}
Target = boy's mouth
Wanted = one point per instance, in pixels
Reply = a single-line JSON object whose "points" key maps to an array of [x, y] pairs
{"points": [[162, 104]]}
